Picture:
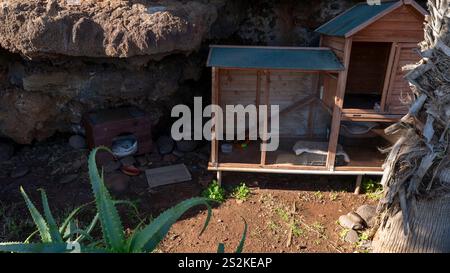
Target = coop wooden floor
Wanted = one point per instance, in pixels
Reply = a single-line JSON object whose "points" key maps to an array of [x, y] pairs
{"points": [[362, 157]]}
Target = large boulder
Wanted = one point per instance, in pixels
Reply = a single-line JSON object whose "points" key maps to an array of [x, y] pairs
{"points": [[103, 28], [25, 116]]}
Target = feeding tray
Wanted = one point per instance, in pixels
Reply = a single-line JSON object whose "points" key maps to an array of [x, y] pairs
{"points": [[167, 175]]}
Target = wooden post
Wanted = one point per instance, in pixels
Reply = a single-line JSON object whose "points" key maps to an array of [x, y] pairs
{"points": [[338, 103], [266, 117], [215, 100], [312, 105], [219, 178], [358, 184], [387, 77]]}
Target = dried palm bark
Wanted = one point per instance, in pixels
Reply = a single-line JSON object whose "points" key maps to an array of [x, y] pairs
{"points": [[417, 169]]}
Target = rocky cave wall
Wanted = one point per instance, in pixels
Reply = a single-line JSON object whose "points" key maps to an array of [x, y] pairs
{"points": [[59, 61]]}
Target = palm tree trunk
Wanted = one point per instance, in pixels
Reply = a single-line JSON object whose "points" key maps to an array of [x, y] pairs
{"points": [[415, 209], [430, 230]]}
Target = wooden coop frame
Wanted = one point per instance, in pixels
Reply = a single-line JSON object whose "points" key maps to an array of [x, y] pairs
{"points": [[385, 35]]}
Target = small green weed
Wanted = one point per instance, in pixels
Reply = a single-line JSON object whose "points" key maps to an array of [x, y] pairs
{"points": [[282, 214], [241, 192], [215, 192], [372, 189]]}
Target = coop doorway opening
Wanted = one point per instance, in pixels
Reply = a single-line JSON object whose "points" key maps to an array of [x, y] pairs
{"points": [[366, 75]]}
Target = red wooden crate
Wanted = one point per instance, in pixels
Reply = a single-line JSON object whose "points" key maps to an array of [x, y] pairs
{"points": [[103, 126]]}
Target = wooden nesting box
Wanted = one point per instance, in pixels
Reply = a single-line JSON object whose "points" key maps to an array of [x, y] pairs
{"points": [[103, 126], [354, 76]]}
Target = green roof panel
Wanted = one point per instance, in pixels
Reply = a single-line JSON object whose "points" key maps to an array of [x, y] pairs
{"points": [[352, 18], [274, 58]]}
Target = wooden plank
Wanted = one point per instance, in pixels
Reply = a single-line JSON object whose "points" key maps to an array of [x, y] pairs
{"points": [[329, 90], [373, 19], [388, 76], [374, 117], [167, 175], [311, 108], [358, 184], [297, 104], [215, 100], [398, 86], [338, 103], [294, 170], [266, 117]]}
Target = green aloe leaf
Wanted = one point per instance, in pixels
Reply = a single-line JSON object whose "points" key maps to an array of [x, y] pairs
{"points": [[33, 247], [38, 219], [88, 229], [70, 217], [149, 237], [53, 228], [221, 248], [28, 239], [112, 227], [240, 247], [69, 230]]}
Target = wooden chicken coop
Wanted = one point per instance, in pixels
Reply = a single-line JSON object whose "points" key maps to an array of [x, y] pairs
{"points": [[335, 100]]}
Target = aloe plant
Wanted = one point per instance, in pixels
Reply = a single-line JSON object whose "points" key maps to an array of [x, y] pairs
{"points": [[60, 239]]}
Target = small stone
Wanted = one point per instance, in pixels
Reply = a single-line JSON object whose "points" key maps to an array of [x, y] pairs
{"points": [[356, 219], [77, 142], [368, 213], [186, 145], [111, 166], [77, 164], [68, 178], [19, 171], [346, 222], [117, 182], [128, 160], [165, 145], [351, 236], [6, 151], [170, 158]]}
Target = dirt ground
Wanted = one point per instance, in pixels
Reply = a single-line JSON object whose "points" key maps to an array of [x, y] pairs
{"points": [[319, 201]]}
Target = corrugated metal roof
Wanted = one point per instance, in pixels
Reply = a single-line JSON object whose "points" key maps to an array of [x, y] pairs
{"points": [[353, 18], [274, 58]]}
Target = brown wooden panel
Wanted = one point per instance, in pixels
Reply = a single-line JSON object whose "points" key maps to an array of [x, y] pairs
{"points": [[399, 89], [335, 43], [329, 90], [286, 88], [402, 24]]}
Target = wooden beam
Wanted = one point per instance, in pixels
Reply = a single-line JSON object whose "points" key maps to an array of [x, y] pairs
{"points": [[219, 177], [391, 82], [215, 100], [305, 101], [325, 107], [388, 76], [358, 184], [338, 103], [311, 112], [266, 117], [242, 167]]}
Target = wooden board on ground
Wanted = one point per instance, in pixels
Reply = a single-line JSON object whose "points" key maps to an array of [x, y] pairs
{"points": [[167, 175]]}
